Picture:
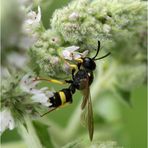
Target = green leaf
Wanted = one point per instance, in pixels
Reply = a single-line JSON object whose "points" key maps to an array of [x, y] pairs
{"points": [[25, 126], [43, 135], [15, 144], [124, 95], [30, 137], [73, 144]]}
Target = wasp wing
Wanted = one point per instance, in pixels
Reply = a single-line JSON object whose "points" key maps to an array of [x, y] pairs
{"points": [[89, 113], [90, 119], [85, 92]]}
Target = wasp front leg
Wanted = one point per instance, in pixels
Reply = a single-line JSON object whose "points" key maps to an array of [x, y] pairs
{"points": [[74, 67]]}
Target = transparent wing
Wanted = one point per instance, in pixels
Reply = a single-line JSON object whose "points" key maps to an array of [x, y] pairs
{"points": [[85, 92], [90, 119], [87, 114]]}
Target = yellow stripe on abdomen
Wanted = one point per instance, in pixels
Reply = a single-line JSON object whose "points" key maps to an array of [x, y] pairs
{"points": [[62, 97]]}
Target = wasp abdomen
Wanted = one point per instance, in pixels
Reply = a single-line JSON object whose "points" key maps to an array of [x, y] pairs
{"points": [[61, 97], [68, 95]]}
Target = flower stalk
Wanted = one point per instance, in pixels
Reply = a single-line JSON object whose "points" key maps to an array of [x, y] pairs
{"points": [[29, 135]]}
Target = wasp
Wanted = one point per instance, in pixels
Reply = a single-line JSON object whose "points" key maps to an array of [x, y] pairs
{"points": [[82, 78]]}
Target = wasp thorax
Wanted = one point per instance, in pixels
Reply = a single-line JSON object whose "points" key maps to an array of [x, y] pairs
{"points": [[89, 64]]}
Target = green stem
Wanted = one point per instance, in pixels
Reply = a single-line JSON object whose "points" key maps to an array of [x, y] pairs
{"points": [[29, 135], [54, 128]]}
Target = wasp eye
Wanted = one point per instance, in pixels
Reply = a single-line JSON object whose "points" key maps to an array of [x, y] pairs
{"points": [[89, 64]]}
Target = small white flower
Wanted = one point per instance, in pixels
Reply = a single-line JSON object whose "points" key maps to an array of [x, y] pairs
{"points": [[43, 97], [67, 67], [85, 53], [6, 120], [70, 53], [106, 28], [32, 20], [28, 84], [73, 16], [55, 60], [29, 27]]}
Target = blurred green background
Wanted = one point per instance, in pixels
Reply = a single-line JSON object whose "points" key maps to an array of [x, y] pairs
{"points": [[129, 132], [132, 133]]}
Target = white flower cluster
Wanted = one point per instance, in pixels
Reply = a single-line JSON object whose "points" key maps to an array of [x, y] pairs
{"points": [[30, 25], [31, 21], [73, 16], [28, 84], [6, 120]]}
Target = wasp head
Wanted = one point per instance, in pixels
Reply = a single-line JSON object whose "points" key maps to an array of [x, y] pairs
{"points": [[89, 64]]}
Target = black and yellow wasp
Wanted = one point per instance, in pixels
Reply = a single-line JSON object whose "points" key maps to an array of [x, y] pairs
{"points": [[82, 78]]}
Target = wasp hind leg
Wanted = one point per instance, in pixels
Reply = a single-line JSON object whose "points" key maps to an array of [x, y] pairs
{"points": [[50, 80], [73, 68], [48, 112]]}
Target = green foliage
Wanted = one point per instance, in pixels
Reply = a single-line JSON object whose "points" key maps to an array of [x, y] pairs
{"points": [[42, 132]]}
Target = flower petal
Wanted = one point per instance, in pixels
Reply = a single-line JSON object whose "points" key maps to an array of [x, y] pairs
{"points": [[27, 84], [6, 120], [69, 52], [72, 48]]}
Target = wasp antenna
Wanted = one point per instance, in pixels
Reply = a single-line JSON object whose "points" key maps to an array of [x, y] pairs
{"points": [[103, 56], [97, 50]]}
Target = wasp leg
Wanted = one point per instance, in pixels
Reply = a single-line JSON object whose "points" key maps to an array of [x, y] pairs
{"points": [[54, 81], [79, 60], [61, 106], [51, 80], [48, 112], [73, 67], [73, 73], [69, 81]]}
